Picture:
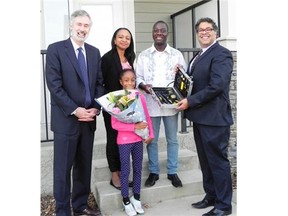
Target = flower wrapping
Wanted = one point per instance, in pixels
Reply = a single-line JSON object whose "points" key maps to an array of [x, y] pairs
{"points": [[125, 106]]}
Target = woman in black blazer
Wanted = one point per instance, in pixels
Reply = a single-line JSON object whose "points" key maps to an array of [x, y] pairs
{"points": [[120, 56]]}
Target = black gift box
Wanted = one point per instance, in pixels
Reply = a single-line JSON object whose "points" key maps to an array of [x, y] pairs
{"points": [[169, 96]]}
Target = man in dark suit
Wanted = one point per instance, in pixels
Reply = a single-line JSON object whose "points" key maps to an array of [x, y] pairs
{"points": [[209, 108], [74, 79]]}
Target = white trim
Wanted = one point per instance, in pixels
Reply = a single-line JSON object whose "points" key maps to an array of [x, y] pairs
{"points": [[228, 42]]}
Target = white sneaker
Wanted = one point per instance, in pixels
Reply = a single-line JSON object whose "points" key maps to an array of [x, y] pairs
{"points": [[137, 205], [130, 211]]}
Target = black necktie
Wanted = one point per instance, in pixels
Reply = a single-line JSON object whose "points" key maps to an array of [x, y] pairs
{"points": [[82, 64], [194, 60], [198, 55]]}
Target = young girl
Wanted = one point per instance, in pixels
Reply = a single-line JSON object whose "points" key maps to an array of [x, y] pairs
{"points": [[130, 143]]}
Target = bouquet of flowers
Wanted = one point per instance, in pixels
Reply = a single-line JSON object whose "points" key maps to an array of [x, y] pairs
{"points": [[126, 106]]}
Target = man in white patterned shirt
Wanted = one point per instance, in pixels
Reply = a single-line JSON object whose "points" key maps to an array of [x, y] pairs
{"points": [[156, 68]]}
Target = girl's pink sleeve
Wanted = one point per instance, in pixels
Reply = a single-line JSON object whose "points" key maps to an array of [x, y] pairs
{"points": [[121, 126], [148, 119]]}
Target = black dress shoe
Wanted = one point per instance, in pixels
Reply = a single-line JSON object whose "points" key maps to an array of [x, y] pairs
{"points": [[88, 211], [111, 183], [151, 179], [203, 204], [218, 212], [176, 182]]}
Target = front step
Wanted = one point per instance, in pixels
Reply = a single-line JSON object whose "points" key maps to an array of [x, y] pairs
{"points": [[180, 206], [109, 199], [187, 160]]}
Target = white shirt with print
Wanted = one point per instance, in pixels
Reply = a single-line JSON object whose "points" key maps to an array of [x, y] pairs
{"points": [[157, 68]]}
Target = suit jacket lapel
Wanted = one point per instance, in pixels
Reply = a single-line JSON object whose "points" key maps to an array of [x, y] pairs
{"points": [[200, 58], [72, 57]]}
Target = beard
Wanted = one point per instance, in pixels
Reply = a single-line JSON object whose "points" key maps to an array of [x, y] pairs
{"points": [[77, 37]]}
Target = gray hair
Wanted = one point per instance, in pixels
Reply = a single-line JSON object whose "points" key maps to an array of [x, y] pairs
{"points": [[79, 13]]}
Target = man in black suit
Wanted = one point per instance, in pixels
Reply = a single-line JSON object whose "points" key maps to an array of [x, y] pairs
{"points": [[73, 85], [209, 108]]}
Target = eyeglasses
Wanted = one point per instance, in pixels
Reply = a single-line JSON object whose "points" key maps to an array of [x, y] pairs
{"points": [[208, 30]]}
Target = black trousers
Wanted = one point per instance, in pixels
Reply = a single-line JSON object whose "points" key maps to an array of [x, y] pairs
{"points": [[112, 151], [212, 149]]}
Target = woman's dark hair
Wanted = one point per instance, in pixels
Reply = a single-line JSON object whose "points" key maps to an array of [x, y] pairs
{"points": [[129, 52], [121, 74]]}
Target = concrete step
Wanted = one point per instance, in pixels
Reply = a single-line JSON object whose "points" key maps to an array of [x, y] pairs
{"points": [[187, 160], [109, 199], [174, 207], [186, 141]]}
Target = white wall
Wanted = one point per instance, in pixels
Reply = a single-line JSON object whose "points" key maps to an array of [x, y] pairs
{"points": [[55, 22], [228, 24]]}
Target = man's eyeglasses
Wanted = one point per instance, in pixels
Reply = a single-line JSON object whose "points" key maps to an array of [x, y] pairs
{"points": [[208, 30]]}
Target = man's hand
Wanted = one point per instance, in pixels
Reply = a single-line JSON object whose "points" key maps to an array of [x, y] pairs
{"points": [[85, 115], [183, 104], [146, 88], [177, 68]]}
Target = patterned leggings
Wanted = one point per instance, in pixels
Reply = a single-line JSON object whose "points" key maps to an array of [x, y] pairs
{"points": [[136, 151]]}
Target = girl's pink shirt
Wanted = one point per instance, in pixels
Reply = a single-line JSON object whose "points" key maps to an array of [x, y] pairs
{"points": [[126, 132]]}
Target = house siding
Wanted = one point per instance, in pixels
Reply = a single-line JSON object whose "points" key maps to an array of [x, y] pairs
{"points": [[148, 12]]}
